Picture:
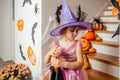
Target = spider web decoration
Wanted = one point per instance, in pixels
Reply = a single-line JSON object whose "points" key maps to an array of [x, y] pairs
{"points": [[52, 24]]}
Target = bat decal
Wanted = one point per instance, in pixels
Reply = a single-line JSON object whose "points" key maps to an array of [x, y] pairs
{"points": [[26, 1], [81, 16], [33, 32], [20, 47], [58, 13], [117, 31], [36, 9]]}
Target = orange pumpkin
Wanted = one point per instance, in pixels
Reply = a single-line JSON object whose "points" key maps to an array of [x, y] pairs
{"points": [[20, 25], [31, 56], [115, 12], [118, 2], [92, 50], [85, 44], [90, 35]]}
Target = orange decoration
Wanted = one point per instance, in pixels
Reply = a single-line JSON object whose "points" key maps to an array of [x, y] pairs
{"points": [[31, 56], [85, 44], [118, 2], [92, 50], [53, 53], [115, 12], [20, 25], [90, 35]]}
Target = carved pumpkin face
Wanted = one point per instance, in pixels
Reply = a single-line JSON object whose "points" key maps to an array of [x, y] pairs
{"points": [[115, 12], [20, 25], [31, 56]]}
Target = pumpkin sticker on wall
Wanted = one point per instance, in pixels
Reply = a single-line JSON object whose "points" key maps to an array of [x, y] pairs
{"points": [[31, 55], [20, 25]]}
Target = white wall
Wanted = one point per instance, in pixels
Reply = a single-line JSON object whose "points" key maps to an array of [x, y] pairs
{"points": [[6, 30], [24, 37]]}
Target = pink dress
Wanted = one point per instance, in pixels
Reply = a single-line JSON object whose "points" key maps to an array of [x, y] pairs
{"points": [[70, 55]]}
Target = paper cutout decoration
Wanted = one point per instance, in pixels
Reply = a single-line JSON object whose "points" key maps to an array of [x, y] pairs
{"points": [[81, 16], [115, 12], [31, 56], [36, 9], [20, 47], [26, 1], [33, 32], [58, 13], [20, 25], [117, 31], [116, 4]]}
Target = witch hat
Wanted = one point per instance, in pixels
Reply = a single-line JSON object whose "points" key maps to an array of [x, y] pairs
{"points": [[68, 19]]}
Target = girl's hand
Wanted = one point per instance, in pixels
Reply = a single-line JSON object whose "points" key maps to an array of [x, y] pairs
{"points": [[56, 62]]}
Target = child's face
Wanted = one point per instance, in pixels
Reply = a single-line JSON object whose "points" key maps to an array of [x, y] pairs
{"points": [[71, 32]]}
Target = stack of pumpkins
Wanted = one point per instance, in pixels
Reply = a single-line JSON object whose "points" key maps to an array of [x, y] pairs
{"points": [[87, 37]]}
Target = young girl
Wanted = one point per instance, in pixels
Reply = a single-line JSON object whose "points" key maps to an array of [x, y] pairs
{"points": [[66, 53]]}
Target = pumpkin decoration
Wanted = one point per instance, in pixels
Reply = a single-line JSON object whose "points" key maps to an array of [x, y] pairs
{"points": [[85, 44], [90, 35], [115, 12], [31, 56], [98, 27], [92, 50], [98, 38], [118, 2], [20, 25], [97, 24]]}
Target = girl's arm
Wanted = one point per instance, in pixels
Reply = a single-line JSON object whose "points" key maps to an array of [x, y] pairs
{"points": [[47, 57], [71, 65]]}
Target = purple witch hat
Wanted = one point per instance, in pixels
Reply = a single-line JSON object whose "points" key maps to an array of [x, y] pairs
{"points": [[68, 19]]}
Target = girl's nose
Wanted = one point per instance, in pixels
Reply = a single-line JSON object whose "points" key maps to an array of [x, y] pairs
{"points": [[75, 33]]}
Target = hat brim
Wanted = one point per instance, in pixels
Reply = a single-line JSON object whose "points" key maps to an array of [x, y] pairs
{"points": [[82, 25]]}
